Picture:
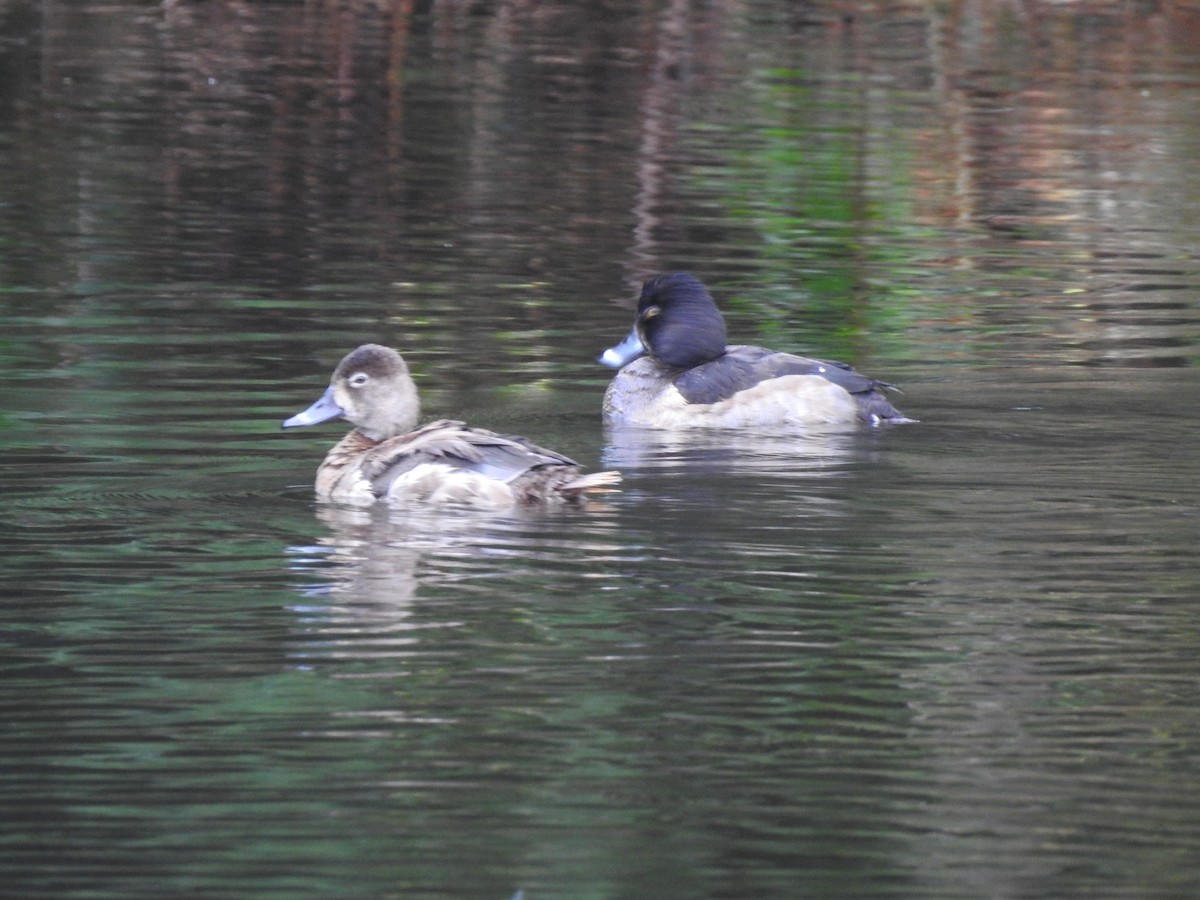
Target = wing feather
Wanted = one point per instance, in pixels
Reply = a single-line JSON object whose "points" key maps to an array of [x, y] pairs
{"points": [[744, 367], [498, 456]]}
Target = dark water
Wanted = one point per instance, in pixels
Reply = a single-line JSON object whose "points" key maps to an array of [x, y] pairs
{"points": [[955, 659]]}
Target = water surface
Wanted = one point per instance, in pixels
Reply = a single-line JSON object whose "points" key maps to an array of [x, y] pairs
{"points": [[951, 659]]}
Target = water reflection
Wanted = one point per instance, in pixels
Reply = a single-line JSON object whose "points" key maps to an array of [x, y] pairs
{"points": [[364, 570], [673, 657], [929, 661], [373, 578], [923, 176], [704, 452]]}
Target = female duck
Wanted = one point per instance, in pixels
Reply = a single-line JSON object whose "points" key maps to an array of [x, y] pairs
{"points": [[676, 372], [384, 458]]}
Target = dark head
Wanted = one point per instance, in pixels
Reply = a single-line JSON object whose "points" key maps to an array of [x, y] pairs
{"points": [[678, 320], [677, 323]]}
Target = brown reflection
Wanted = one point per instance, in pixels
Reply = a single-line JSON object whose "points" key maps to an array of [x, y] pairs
{"points": [[660, 122], [1040, 103], [1055, 157], [997, 157]]}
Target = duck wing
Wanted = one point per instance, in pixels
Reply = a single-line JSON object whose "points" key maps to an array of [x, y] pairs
{"points": [[501, 457], [744, 367]]}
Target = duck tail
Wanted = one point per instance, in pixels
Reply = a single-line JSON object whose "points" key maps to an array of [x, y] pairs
{"points": [[598, 482]]}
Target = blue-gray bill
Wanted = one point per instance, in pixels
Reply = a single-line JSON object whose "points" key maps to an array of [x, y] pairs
{"points": [[323, 410], [623, 353]]}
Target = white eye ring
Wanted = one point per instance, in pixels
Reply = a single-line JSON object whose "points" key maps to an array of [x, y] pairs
{"points": [[358, 379]]}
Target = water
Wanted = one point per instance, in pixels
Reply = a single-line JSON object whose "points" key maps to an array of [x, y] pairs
{"points": [[954, 659]]}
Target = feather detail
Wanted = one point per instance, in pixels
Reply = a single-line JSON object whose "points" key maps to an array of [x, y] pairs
{"points": [[441, 462]]}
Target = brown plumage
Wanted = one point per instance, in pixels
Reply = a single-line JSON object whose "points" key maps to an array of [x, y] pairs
{"points": [[386, 457]]}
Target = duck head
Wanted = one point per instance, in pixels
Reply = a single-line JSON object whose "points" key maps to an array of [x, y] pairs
{"points": [[372, 389], [677, 323]]}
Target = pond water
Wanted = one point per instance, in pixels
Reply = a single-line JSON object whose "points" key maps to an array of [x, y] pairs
{"points": [[950, 659]]}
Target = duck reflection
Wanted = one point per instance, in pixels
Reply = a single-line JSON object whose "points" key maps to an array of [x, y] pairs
{"points": [[362, 577], [805, 452], [748, 489], [365, 574]]}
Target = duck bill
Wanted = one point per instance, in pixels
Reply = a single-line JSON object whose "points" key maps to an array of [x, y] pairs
{"points": [[323, 410], [623, 353]]}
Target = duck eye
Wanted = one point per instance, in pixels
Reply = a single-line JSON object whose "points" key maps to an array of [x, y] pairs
{"points": [[358, 379], [651, 311]]}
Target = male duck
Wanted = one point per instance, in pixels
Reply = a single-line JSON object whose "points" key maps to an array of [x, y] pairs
{"points": [[676, 372], [384, 458]]}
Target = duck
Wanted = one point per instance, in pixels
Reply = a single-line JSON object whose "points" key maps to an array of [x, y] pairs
{"points": [[387, 458], [676, 371]]}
